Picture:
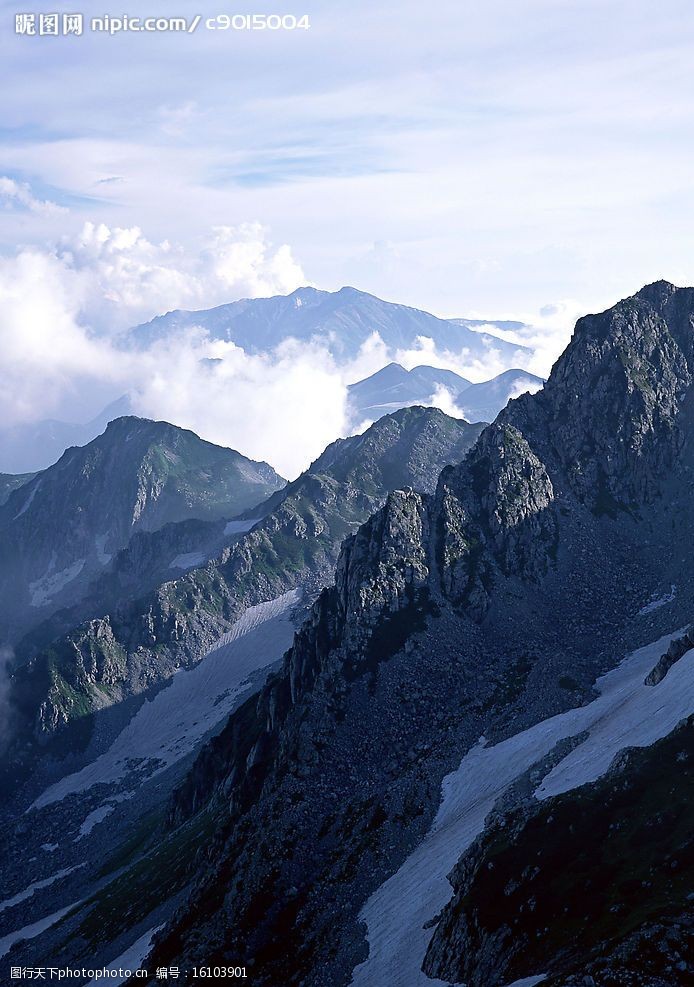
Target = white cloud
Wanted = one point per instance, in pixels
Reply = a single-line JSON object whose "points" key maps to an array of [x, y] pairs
{"points": [[14, 194], [56, 308], [46, 353], [284, 406], [524, 387], [128, 278], [471, 366], [61, 311], [546, 332], [444, 400]]}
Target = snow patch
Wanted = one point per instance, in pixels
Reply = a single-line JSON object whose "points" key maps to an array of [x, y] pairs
{"points": [[102, 555], [169, 727], [92, 820], [36, 886], [660, 602], [33, 930], [28, 502], [44, 589], [188, 560], [240, 527], [627, 713], [131, 959]]}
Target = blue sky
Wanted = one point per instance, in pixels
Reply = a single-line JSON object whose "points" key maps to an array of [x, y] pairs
{"points": [[467, 158]]}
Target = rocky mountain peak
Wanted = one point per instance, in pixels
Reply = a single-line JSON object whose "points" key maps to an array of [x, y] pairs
{"points": [[69, 521], [610, 415]]}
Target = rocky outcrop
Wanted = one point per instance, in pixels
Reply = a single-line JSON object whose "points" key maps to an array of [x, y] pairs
{"points": [[494, 511], [610, 411], [677, 649]]}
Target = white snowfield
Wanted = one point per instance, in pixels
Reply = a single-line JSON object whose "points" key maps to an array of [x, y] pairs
{"points": [[102, 555], [28, 502], [92, 820], [167, 728], [626, 714], [661, 601]]}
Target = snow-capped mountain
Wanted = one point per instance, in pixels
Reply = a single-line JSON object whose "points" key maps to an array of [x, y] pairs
{"points": [[343, 319]]}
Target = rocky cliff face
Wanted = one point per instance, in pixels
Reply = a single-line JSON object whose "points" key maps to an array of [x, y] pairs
{"points": [[610, 414], [484, 606]]}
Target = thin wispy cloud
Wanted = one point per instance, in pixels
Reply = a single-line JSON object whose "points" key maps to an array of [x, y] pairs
{"points": [[18, 195]]}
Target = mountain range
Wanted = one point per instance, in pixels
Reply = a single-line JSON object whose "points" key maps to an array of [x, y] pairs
{"points": [[291, 543], [394, 387], [450, 672], [423, 715], [344, 320]]}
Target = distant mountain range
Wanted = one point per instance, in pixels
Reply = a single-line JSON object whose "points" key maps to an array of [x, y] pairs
{"points": [[394, 387], [484, 401], [343, 320], [34, 447]]}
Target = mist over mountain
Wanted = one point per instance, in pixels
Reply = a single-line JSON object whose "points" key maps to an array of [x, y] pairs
{"points": [[395, 387], [485, 400], [37, 445], [268, 375]]}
